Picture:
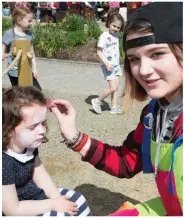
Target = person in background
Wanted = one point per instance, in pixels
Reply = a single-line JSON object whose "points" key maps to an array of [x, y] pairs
{"points": [[94, 6], [63, 6], [113, 7], [21, 4], [108, 52], [22, 19]]}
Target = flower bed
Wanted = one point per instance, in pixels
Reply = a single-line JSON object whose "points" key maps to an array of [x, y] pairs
{"points": [[65, 40]]}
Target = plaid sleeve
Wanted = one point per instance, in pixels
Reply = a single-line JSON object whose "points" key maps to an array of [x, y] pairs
{"points": [[121, 161]]}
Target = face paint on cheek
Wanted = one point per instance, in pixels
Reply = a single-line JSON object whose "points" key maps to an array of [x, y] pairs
{"points": [[27, 138], [40, 117]]}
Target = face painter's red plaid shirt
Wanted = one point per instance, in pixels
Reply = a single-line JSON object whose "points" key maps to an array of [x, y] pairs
{"points": [[124, 161]]}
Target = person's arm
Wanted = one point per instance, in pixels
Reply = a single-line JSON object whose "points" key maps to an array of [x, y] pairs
{"points": [[7, 40], [103, 59], [123, 162], [88, 5], [11, 206], [44, 181], [3, 51], [100, 47], [120, 161], [33, 62]]}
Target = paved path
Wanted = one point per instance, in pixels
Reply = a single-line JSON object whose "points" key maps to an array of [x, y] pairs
{"points": [[79, 83]]}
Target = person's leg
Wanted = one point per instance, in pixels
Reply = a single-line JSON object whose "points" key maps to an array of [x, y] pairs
{"points": [[79, 199], [112, 88], [38, 14], [110, 77], [13, 80], [75, 197], [114, 95], [97, 102], [36, 83], [95, 10], [54, 16]]}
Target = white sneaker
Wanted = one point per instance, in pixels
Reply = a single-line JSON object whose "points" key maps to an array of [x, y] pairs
{"points": [[96, 105], [116, 110]]}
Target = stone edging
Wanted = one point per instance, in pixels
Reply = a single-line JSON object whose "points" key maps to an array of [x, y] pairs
{"points": [[70, 61]]}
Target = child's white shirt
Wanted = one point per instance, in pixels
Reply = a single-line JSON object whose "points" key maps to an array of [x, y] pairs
{"points": [[28, 155], [110, 47]]}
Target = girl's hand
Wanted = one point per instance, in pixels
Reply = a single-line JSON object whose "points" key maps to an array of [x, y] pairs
{"points": [[4, 56], [35, 74], [63, 204], [66, 115], [109, 66]]}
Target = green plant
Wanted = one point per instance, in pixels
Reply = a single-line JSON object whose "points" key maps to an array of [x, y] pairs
{"points": [[93, 29], [48, 40], [72, 22], [6, 24], [120, 35], [75, 38]]}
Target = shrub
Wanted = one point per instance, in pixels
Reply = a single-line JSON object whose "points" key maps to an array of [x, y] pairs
{"points": [[6, 24], [72, 22], [75, 38], [93, 29], [121, 45], [48, 40]]}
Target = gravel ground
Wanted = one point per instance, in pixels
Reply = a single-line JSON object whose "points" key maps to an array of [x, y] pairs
{"points": [[79, 83]]}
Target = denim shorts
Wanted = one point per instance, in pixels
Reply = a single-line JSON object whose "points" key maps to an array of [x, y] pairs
{"points": [[110, 75]]}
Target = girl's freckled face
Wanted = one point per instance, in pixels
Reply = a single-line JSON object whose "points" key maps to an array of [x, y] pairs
{"points": [[30, 131]]}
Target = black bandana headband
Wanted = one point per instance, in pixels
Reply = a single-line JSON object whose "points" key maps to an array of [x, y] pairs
{"points": [[145, 40]]}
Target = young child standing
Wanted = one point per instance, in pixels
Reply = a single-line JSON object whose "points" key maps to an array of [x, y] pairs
{"points": [[27, 188], [22, 18], [108, 52]]}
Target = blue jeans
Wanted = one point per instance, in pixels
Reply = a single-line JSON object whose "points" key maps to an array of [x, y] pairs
{"points": [[38, 12]]}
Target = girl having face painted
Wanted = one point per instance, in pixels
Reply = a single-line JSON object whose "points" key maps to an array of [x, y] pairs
{"points": [[153, 38], [25, 180]]}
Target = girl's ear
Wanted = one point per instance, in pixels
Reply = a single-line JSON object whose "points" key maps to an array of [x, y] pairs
{"points": [[18, 20]]}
